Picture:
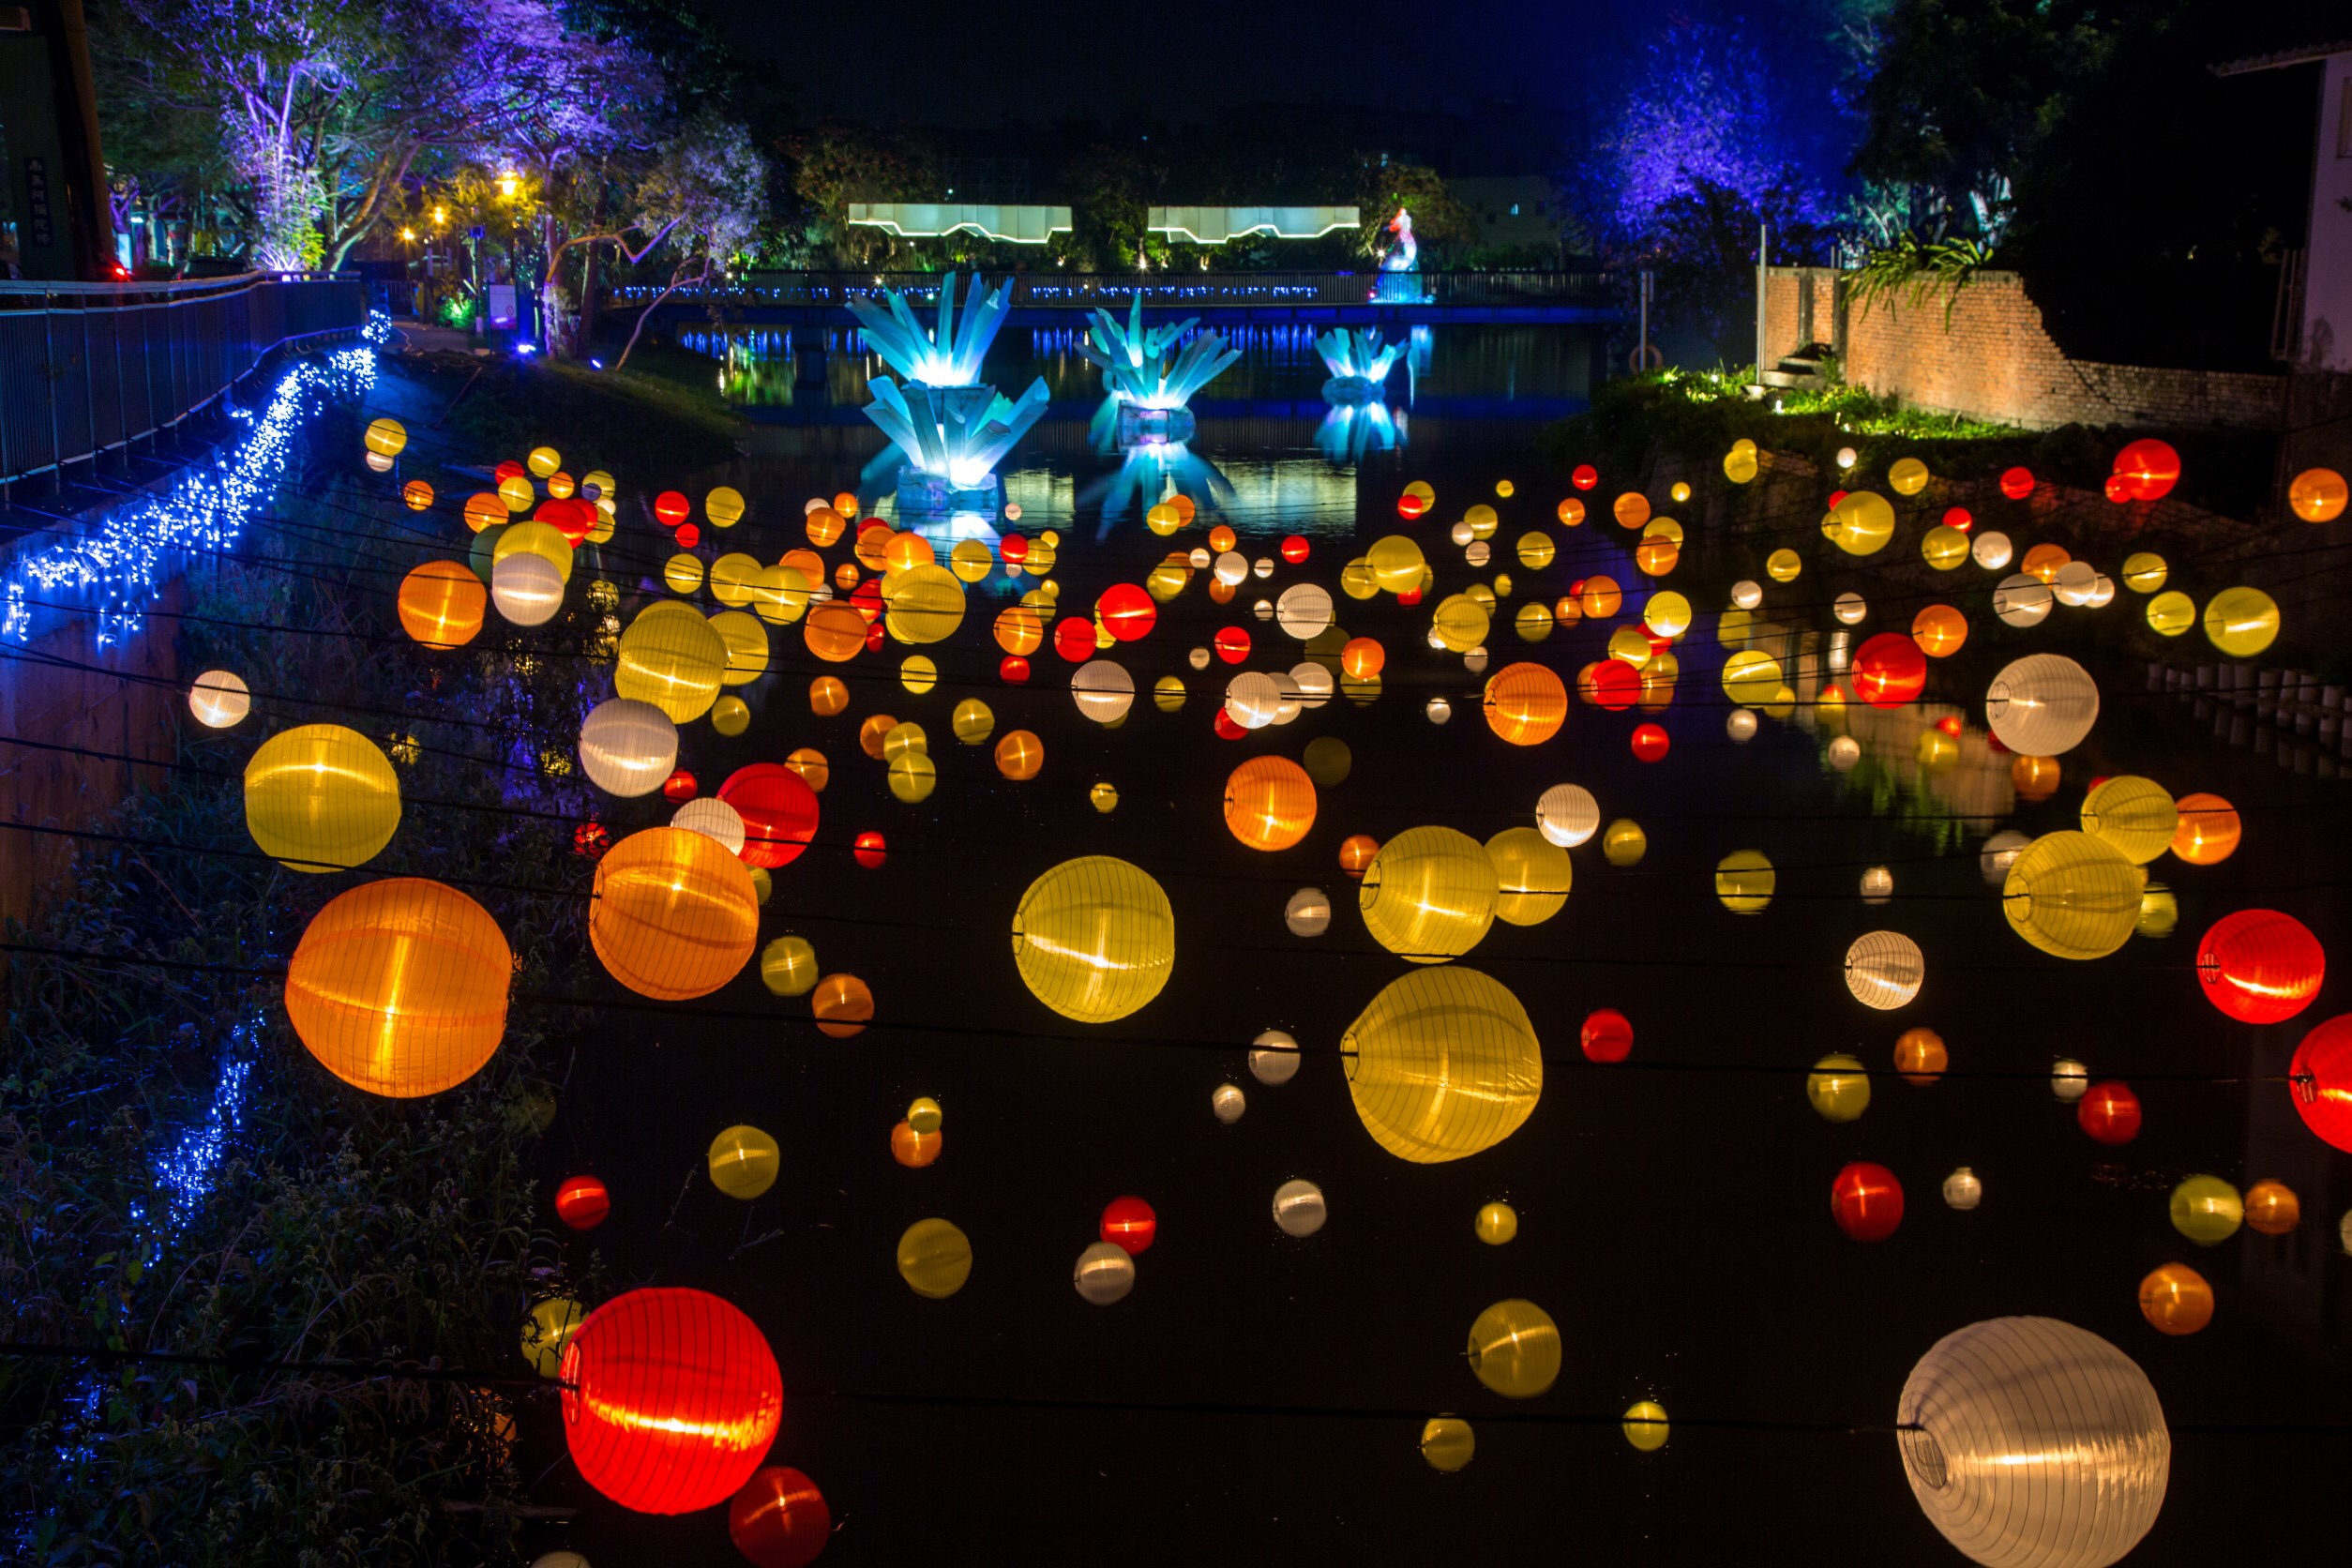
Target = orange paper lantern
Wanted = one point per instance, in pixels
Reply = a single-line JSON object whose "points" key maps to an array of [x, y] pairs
{"points": [[441, 604], [1269, 802], [675, 915], [1526, 703], [400, 986]]}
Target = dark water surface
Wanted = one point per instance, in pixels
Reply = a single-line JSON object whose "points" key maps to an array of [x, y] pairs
{"points": [[1674, 1214]]}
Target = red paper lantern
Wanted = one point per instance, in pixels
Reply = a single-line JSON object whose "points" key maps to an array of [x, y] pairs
{"points": [[1015, 548], [1295, 548], [2150, 468], [1129, 1225], [1960, 517], [2322, 1080], [1410, 596], [1866, 1202], [2017, 483], [1836, 496], [2261, 966], [1126, 611], [1952, 725], [1585, 476], [1227, 730], [508, 470], [780, 1519], [867, 599], [1611, 684], [869, 851], [1013, 669], [916, 1150], [679, 788], [2110, 1112], [2118, 489], [1890, 670], [875, 637], [1232, 644], [688, 535], [582, 1203], [1608, 1035], [1074, 639], [778, 811], [670, 1399], [673, 508], [574, 518], [1650, 742], [1409, 506]]}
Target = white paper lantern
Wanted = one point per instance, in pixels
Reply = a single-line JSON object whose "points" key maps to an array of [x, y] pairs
{"points": [[1438, 710], [2075, 583], [1304, 611], [1105, 1274], [1197, 658], [2037, 1444], [1263, 609], [1299, 1208], [219, 699], [1999, 854], [1740, 724], [1252, 699], [1843, 752], [1962, 1190], [2042, 704], [1273, 1058], [1991, 550], [1475, 661], [1230, 567], [1227, 1103], [2070, 1081], [1478, 553], [1849, 608], [1877, 885], [1309, 913], [1263, 567], [1289, 698], [1747, 593], [628, 747], [1461, 533], [1103, 690], [2020, 600], [2102, 593], [1314, 683], [712, 818], [1567, 815], [1884, 970], [527, 589]]}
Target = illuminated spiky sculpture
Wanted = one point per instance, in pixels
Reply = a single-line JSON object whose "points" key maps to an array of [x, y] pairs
{"points": [[956, 433], [1134, 363], [947, 355], [1359, 365], [952, 429]]}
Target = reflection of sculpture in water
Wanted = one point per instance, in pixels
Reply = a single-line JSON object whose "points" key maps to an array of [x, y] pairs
{"points": [[1351, 430], [1151, 473]]}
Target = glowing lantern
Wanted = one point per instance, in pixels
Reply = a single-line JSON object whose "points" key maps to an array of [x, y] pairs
{"points": [[385, 437], [925, 603], [1526, 703], [1944, 548], [1645, 1425], [320, 797], [1567, 815], [628, 748], [787, 966], [1919, 1056], [1129, 1225], [1861, 523], [934, 1259], [2108, 1111], [2031, 1443], [400, 986], [583, 1203], [550, 1328], [913, 1149], [2210, 830], [1837, 1088], [671, 1398], [2073, 895], [1104, 798], [1416, 500], [1356, 852], [2207, 1209], [1962, 1190], [2259, 966], [1429, 894], [2134, 815], [744, 1162], [1884, 969], [1744, 880], [779, 1519], [2149, 469], [1514, 1348], [1269, 802], [1939, 630], [1750, 678], [1890, 670], [219, 699], [1496, 1224], [1447, 1444], [673, 658], [2317, 495], [1104, 1275], [1442, 1064], [2043, 706], [1623, 843], [2171, 614], [675, 915], [778, 809], [1531, 876], [1783, 566], [2321, 1086], [843, 1006], [526, 589], [1866, 1202], [1607, 1035], [834, 631], [1094, 939], [2272, 1209], [1649, 743], [2174, 1299], [1396, 564], [2241, 622]]}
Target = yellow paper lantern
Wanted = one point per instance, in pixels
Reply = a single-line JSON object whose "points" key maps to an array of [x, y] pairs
{"points": [[1908, 476], [2135, 815], [548, 1330], [320, 797], [1535, 551], [1744, 880], [744, 1162], [1496, 1224], [517, 493], [1531, 876], [1645, 1425], [1533, 623], [1429, 895], [724, 506], [2073, 895], [1623, 843], [787, 966], [1861, 523], [1783, 566], [1838, 1088], [1482, 521], [2241, 622], [681, 574], [1460, 622], [1740, 463], [924, 603], [1447, 1444], [971, 722], [673, 915], [673, 658], [400, 986], [386, 437], [543, 460], [1396, 564], [2144, 571], [912, 777], [533, 537], [1442, 1064], [1514, 1348], [934, 1259], [1945, 548], [1094, 939], [2171, 614], [2207, 1209]]}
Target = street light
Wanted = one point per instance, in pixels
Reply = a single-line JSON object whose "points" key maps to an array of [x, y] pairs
{"points": [[506, 185]]}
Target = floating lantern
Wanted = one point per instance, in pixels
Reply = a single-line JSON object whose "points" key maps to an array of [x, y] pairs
{"points": [[2321, 1089], [400, 986], [1104, 1275], [674, 915], [1447, 1444], [1645, 1427], [2136, 816], [1884, 969], [1962, 1190], [1607, 1035], [671, 1398], [1866, 1202], [2272, 1209], [1526, 703], [1890, 669], [2241, 622], [627, 747], [1429, 894], [1533, 876], [1298, 1209], [2176, 1300], [1567, 815], [2317, 495], [1308, 913], [780, 1519], [1496, 1224], [1094, 939], [2207, 1209], [2108, 1111], [219, 699], [934, 1259], [2073, 895], [744, 1162], [1514, 1348], [583, 1203], [320, 797], [1442, 1064], [2261, 966], [842, 1005], [1919, 1056], [2042, 705], [1837, 1088], [1269, 802]]}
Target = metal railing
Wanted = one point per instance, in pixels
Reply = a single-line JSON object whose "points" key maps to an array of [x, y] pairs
{"points": [[90, 368], [1172, 288]]}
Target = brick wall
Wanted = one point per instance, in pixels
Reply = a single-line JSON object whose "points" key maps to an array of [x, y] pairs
{"points": [[1993, 359]]}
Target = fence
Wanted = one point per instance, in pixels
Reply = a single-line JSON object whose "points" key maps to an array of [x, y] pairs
{"points": [[2296, 719], [90, 368], [1081, 290]]}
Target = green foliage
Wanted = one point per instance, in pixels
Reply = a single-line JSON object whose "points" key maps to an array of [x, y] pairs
{"points": [[338, 1226], [1916, 272]]}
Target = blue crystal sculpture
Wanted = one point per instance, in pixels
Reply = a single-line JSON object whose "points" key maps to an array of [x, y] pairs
{"points": [[1358, 363], [1150, 388], [951, 429]]}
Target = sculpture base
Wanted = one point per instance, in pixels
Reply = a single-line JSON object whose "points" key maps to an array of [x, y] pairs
{"points": [[1399, 288], [1348, 390], [927, 494], [1153, 426]]}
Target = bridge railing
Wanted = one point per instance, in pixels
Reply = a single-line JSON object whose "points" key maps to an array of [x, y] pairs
{"points": [[1172, 288], [90, 368]]}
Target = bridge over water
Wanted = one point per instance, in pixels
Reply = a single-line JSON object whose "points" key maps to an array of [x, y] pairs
{"points": [[1050, 298]]}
